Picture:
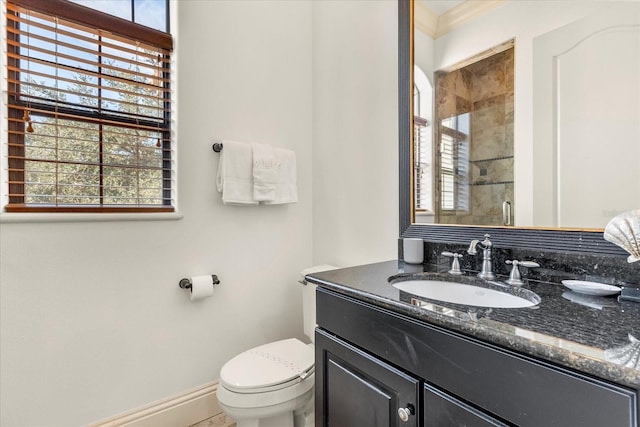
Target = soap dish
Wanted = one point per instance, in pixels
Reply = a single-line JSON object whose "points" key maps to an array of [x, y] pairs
{"points": [[591, 288]]}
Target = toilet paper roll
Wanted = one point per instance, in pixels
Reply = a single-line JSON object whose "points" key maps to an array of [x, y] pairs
{"points": [[201, 287]]}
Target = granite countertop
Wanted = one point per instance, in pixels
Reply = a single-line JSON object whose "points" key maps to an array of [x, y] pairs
{"points": [[594, 335]]}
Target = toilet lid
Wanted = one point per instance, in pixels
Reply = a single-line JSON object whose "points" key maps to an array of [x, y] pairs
{"points": [[268, 367]]}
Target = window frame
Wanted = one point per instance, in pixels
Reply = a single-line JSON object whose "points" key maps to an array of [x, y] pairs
{"points": [[121, 27]]}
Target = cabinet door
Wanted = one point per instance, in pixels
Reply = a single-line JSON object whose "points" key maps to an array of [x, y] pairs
{"points": [[441, 409], [354, 389]]}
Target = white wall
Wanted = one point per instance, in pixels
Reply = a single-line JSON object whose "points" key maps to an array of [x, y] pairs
{"points": [[355, 131], [92, 322], [424, 55]]}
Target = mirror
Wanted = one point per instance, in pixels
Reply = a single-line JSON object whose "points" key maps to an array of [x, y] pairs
{"points": [[575, 115]]}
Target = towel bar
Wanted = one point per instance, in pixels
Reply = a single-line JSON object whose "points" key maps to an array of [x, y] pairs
{"points": [[217, 147]]}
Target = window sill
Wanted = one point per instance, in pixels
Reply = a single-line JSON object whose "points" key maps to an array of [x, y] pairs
{"points": [[87, 217]]}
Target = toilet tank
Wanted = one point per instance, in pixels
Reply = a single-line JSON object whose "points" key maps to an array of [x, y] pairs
{"points": [[309, 299]]}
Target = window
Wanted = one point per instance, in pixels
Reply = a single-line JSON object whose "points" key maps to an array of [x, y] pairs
{"points": [[454, 163], [89, 102], [151, 13]]}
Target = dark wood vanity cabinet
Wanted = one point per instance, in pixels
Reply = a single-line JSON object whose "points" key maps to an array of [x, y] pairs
{"points": [[360, 390], [372, 363]]}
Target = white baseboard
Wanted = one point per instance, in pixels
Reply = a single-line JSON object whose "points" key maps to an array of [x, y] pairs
{"points": [[183, 410]]}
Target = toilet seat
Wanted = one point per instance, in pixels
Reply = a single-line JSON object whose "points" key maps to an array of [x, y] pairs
{"points": [[276, 401], [269, 367]]}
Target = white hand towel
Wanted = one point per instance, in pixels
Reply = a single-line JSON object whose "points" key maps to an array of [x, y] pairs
{"points": [[235, 174], [286, 177], [264, 173]]}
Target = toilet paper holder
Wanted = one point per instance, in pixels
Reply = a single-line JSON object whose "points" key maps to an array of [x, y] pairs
{"points": [[186, 282]]}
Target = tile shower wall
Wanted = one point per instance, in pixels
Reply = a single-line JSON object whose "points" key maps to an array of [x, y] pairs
{"points": [[485, 90]]}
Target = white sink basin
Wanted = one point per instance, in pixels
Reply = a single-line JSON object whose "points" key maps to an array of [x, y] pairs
{"points": [[460, 293]]}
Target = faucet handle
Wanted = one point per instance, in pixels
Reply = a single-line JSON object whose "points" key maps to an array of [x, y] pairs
{"points": [[455, 265], [486, 245], [515, 278], [530, 264]]}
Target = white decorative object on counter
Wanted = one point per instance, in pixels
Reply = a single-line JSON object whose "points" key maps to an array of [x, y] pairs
{"points": [[624, 231], [591, 288], [627, 355]]}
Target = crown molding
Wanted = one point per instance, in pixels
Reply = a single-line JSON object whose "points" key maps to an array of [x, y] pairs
{"points": [[435, 26], [465, 13], [425, 20]]}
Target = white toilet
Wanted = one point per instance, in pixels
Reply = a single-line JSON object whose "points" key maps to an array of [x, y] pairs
{"points": [[272, 385]]}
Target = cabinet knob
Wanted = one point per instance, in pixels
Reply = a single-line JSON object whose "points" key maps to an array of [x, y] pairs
{"points": [[405, 413]]}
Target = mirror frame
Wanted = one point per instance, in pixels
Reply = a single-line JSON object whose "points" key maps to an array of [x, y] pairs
{"points": [[533, 238]]}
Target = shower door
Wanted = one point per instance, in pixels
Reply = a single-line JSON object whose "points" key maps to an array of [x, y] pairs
{"points": [[474, 150]]}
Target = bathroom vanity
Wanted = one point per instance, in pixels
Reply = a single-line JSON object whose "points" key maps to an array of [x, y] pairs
{"points": [[385, 358]]}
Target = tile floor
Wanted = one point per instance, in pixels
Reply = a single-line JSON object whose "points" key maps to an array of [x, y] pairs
{"points": [[220, 420]]}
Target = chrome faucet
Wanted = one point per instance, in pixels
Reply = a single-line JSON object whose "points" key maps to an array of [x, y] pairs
{"points": [[487, 268]]}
